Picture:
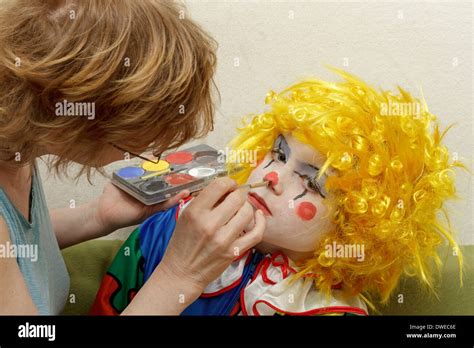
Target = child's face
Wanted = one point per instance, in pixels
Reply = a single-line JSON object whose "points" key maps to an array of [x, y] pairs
{"points": [[296, 216]]}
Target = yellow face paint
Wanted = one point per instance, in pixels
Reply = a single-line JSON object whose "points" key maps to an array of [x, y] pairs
{"points": [[158, 167]]}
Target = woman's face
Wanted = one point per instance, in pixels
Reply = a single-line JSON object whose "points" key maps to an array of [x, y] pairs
{"points": [[293, 202]]}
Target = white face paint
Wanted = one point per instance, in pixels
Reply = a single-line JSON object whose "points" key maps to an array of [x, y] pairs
{"points": [[296, 217], [201, 172]]}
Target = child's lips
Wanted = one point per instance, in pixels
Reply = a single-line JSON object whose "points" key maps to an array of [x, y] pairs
{"points": [[259, 203]]}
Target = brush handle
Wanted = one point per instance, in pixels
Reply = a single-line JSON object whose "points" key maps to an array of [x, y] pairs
{"points": [[258, 184]]}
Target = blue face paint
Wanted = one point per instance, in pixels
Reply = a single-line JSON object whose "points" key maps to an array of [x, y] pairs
{"points": [[131, 172], [281, 149]]}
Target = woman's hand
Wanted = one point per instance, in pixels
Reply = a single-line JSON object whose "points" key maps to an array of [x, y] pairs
{"points": [[209, 235], [117, 209]]}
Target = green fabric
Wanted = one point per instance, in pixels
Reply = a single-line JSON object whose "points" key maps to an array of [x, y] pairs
{"points": [[124, 269], [88, 262], [452, 300]]}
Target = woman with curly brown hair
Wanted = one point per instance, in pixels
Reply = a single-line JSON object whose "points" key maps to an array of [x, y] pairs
{"points": [[137, 65]]}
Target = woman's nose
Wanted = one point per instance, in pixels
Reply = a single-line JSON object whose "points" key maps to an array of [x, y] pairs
{"points": [[274, 182]]}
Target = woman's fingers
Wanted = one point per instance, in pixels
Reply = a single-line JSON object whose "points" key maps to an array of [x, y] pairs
{"points": [[237, 224], [202, 246], [170, 202], [214, 192], [252, 237], [230, 206]]}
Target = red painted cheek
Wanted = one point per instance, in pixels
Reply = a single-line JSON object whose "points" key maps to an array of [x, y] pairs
{"points": [[272, 177], [306, 211]]}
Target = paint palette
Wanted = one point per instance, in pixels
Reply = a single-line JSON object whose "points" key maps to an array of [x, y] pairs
{"points": [[190, 169]]}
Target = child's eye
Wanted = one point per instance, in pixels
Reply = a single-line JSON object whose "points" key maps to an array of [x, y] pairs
{"points": [[278, 154], [312, 185]]}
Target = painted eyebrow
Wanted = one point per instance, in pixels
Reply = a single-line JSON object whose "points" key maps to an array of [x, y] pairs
{"points": [[289, 148], [283, 140], [311, 166], [282, 146], [279, 146]]}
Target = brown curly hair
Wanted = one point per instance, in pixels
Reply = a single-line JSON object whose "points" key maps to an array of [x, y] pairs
{"points": [[146, 67]]}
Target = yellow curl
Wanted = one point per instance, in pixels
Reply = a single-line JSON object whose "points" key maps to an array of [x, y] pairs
{"points": [[392, 178]]}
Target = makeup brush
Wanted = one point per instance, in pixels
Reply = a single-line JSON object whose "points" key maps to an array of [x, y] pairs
{"points": [[254, 185]]}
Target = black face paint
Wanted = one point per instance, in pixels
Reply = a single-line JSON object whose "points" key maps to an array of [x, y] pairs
{"points": [[269, 163], [301, 195], [281, 153], [311, 183]]}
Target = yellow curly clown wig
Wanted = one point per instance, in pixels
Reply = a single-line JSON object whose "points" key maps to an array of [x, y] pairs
{"points": [[392, 177]]}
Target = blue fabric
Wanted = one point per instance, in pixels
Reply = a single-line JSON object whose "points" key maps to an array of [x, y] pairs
{"points": [[223, 304], [155, 234], [45, 275]]}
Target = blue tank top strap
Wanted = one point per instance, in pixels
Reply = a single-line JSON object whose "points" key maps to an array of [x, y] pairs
{"points": [[36, 249]]}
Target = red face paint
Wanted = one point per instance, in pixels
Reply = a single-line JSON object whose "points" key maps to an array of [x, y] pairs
{"points": [[178, 179], [306, 211], [272, 177], [179, 157]]}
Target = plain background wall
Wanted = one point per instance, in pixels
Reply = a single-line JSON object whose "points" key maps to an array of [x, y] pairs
{"points": [[267, 45]]}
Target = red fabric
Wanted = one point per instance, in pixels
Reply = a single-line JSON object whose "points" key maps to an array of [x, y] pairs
{"points": [[102, 305]]}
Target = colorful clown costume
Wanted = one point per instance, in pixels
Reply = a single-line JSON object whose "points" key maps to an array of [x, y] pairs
{"points": [[253, 284]]}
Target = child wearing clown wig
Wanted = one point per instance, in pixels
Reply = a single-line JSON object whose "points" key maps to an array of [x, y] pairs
{"points": [[357, 181]]}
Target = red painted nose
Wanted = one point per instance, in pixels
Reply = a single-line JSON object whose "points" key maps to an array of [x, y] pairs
{"points": [[272, 177]]}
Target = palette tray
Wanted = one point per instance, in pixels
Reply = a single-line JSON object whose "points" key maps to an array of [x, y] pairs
{"points": [[190, 169]]}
